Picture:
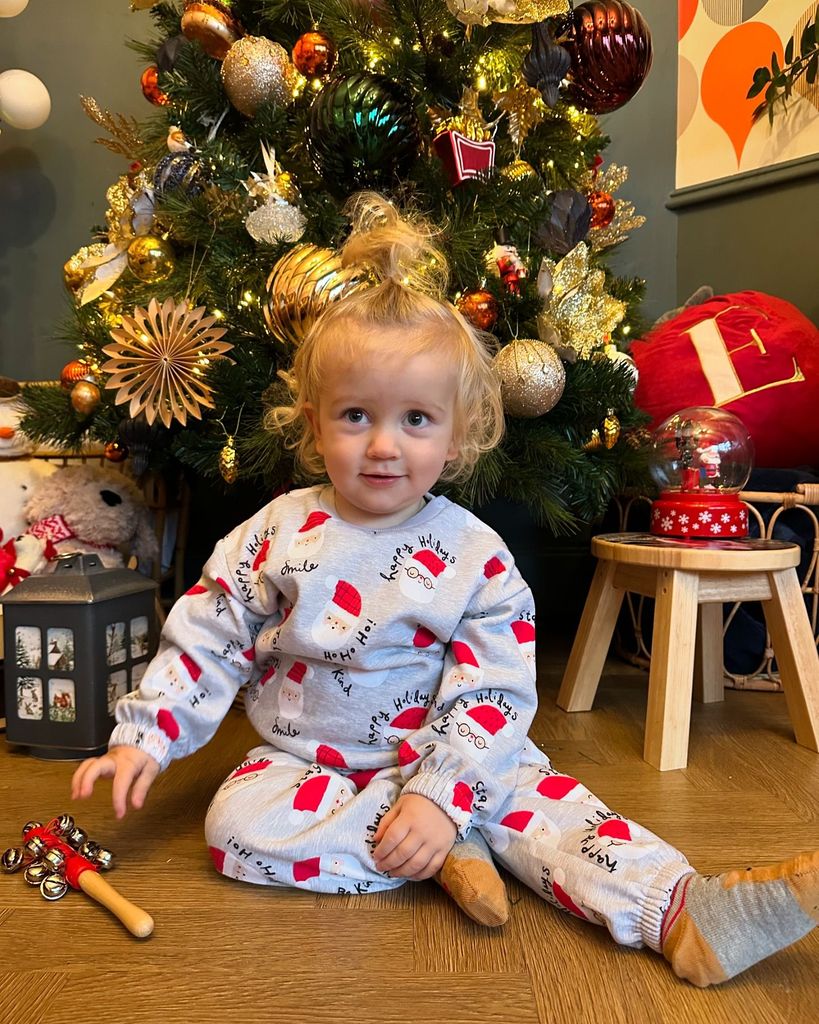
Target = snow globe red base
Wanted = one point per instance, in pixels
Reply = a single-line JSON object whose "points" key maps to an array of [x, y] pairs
{"points": [[702, 459]]}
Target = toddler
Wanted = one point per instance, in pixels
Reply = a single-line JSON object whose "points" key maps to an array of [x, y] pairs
{"points": [[388, 643]]}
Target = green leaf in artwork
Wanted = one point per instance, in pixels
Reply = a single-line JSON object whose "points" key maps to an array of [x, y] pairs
{"points": [[775, 64], [808, 40], [789, 50], [761, 78], [813, 67]]}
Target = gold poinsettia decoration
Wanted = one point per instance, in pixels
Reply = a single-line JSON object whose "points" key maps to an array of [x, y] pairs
{"points": [[159, 360], [625, 219], [525, 108], [577, 306]]}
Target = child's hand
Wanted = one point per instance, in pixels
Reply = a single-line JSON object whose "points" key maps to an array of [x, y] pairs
{"points": [[413, 838], [131, 769]]}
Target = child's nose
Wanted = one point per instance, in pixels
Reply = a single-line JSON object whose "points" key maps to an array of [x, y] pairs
{"points": [[383, 445]]}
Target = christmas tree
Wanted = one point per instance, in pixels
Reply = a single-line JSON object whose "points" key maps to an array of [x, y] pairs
{"points": [[220, 245]]}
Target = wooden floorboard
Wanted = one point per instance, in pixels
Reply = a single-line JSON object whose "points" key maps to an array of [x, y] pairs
{"points": [[224, 951]]}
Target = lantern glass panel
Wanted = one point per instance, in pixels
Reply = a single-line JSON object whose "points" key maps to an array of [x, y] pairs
{"points": [[60, 644], [28, 642], [30, 697], [139, 637], [62, 700], [117, 687]]}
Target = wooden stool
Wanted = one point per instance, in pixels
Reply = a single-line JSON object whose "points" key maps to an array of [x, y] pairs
{"points": [[687, 578]]}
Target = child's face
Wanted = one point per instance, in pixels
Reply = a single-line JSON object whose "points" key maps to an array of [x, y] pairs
{"points": [[385, 432]]}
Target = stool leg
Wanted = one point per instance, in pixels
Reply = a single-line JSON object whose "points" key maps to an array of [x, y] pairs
{"points": [[796, 656], [709, 685], [591, 642], [670, 680]]}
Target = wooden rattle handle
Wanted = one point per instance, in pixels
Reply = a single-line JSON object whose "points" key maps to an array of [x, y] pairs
{"points": [[136, 920]]}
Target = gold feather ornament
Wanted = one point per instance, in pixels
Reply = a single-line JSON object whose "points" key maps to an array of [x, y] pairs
{"points": [[159, 359]]}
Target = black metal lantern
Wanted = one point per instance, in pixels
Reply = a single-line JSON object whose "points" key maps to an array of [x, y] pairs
{"points": [[76, 640]]}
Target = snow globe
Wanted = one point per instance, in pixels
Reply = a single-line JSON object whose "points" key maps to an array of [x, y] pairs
{"points": [[701, 460]]}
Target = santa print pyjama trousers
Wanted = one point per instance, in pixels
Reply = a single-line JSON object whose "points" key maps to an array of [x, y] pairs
{"points": [[278, 820]]}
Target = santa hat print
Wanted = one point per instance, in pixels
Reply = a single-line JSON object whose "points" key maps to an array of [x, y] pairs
{"points": [[314, 520], [251, 768], [462, 797], [615, 834], [410, 718], [197, 588], [346, 602], [488, 721], [407, 754], [526, 822], [310, 793], [434, 565], [193, 670], [563, 787], [464, 654], [304, 870], [261, 555], [423, 637], [329, 756], [494, 567], [268, 675], [564, 899], [168, 724], [296, 672], [524, 632]]}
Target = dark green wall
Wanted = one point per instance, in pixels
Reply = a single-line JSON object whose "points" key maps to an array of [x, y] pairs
{"points": [[53, 179]]}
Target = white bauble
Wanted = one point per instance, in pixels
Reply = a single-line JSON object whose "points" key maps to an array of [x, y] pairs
{"points": [[10, 8], [24, 100]]}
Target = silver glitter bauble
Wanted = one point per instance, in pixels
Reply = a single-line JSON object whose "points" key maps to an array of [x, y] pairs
{"points": [[532, 377], [256, 71], [276, 221], [53, 887]]}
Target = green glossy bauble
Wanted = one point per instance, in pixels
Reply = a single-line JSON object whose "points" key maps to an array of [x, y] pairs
{"points": [[363, 133]]}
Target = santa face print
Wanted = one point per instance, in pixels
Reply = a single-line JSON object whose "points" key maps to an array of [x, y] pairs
{"points": [[385, 430]]}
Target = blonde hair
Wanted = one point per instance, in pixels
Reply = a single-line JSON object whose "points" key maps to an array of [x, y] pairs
{"points": [[409, 275]]}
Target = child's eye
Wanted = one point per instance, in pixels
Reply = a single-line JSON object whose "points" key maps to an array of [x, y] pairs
{"points": [[354, 415], [416, 418]]}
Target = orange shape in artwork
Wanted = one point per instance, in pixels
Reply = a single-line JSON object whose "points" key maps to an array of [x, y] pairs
{"points": [[686, 11], [728, 75]]}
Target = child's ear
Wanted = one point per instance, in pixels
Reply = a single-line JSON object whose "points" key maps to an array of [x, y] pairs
{"points": [[311, 414]]}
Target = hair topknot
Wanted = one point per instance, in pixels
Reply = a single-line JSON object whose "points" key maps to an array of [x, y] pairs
{"points": [[394, 248], [408, 276]]}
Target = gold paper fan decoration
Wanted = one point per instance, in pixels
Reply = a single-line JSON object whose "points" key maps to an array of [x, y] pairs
{"points": [[159, 359], [301, 286]]}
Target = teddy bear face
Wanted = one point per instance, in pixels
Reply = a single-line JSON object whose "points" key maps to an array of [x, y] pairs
{"points": [[19, 479], [100, 506]]}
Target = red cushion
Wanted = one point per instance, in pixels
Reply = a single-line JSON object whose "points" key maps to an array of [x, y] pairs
{"points": [[749, 353]]}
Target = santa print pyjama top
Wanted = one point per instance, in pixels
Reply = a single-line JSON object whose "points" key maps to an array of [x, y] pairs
{"points": [[409, 646]]}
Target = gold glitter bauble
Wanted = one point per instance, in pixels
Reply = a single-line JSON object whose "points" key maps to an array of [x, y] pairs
{"points": [[229, 461], [256, 71], [527, 11], [85, 397], [151, 259], [532, 377], [301, 286]]}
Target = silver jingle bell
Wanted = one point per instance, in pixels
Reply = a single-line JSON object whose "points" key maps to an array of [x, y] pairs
{"points": [[29, 825], [36, 847], [36, 872], [55, 858], [12, 859], [76, 837], [53, 887], [63, 825], [105, 858], [89, 849]]}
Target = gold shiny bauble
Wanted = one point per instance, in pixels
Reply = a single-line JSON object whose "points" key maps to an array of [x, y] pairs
{"points": [[229, 461], [149, 80], [85, 397], [73, 372], [151, 259], [532, 377], [212, 26], [256, 71], [115, 452], [518, 170], [594, 442], [286, 187], [301, 286]]}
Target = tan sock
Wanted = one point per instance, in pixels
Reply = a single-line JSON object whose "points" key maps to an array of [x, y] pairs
{"points": [[717, 926], [470, 877]]}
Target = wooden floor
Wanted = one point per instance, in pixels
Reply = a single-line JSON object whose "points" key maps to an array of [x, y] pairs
{"points": [[223, 951]]}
